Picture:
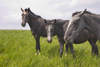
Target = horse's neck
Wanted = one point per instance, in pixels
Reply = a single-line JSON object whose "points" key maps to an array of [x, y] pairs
{"points": [[93, 25], [33, 21], [59, 30]]}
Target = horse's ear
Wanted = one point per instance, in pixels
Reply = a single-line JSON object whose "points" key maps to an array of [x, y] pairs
{"points": [[21, 9], [82, 12], [29, 9], [45, 21], [54, 21]]}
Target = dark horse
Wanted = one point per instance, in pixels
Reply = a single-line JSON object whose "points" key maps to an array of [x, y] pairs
{"points": [[37, 25], [58, 28]]}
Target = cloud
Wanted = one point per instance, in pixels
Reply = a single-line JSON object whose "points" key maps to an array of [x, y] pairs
{"points": [[10, 17]]}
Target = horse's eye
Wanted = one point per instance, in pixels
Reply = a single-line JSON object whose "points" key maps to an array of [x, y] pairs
{"points": [[26, 16], [76, 21]]}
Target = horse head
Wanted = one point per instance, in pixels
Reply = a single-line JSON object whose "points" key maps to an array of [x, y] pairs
{"points": [[25, 16], [50, 30]]}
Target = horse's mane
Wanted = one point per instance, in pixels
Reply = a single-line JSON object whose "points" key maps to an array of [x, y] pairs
{"points": [[86, 12], [36, 15], [33, 13]]}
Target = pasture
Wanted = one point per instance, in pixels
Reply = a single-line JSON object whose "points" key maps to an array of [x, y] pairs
{"points": [[17, 49]]}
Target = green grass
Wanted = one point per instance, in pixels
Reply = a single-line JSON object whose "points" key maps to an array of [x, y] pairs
{"points": [[17, 49]]}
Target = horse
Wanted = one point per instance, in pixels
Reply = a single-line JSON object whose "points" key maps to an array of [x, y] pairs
{"points": [[37, 26], [82, 20], [55, 28]]}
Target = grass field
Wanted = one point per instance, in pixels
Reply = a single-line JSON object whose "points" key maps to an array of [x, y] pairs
{"points": [[17, 49]]}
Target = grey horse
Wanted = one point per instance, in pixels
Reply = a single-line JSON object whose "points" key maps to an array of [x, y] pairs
{"points": [[80, 21]]}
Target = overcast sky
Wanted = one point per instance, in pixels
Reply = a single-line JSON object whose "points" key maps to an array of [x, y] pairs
{"points": [[10, 13]]}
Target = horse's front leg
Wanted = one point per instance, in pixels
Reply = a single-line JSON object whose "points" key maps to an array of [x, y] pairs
{"points": [[61, 44], [61, 48], [37, 38], [70, 45], [66, 49]]}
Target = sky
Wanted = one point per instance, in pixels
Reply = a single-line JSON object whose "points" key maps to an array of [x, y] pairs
{"points": [[10, 12]]}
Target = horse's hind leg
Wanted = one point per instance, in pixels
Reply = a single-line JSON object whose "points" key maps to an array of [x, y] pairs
{"points": [[92, 42], [70, 45]]}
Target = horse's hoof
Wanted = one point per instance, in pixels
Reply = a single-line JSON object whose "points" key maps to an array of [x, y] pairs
{"points": [[66, 54], [35, 54], [39, 53]]}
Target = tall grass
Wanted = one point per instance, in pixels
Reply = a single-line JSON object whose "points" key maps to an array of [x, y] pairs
{"points": [[17, 49]]}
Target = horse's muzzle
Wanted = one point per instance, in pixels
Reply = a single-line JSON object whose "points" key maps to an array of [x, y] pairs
{"points": [[23, 24], [69, 39], [49, 41]]}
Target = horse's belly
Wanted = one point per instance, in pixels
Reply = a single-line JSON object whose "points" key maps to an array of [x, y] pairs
{"points": [[81, 39]]}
